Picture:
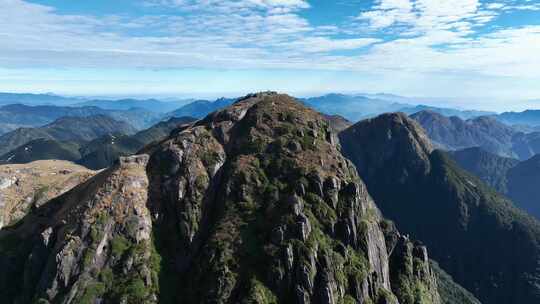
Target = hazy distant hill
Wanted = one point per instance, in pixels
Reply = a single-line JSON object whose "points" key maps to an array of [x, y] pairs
{"points": [[7, 127], [352, 107], [453, 133], [358, 107], [463, 114], [528, 117], [78, 129], [34, 116], [36, 99], [162, 129], [152, 105], [200, 108], [104, 151], [41, 115]]}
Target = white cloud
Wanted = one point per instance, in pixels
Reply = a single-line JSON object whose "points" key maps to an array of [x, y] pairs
{"points": [[434, 37], [275, 6], [216, 34], [425, 15]]}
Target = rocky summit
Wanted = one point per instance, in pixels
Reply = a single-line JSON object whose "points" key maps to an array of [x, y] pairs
{"points": [[252, 204]]}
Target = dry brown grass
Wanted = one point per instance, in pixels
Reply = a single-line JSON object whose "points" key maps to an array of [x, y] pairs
{"points": [[24, 186]]}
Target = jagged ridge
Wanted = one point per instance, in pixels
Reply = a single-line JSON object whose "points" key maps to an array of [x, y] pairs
{"points": [[253, 204]]}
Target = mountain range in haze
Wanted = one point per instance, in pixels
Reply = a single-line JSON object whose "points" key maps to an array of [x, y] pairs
{"points": [[93, 141], [268, 201], [508, 134], [254, 203], [152, 105], [488, 132]]}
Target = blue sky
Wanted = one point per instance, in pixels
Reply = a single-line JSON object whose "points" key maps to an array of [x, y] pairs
{"points": [[482, 50]]}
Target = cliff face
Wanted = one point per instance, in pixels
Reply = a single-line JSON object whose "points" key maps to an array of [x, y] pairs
{"points": [[263, 208], [487, 245], [253, 204], [93, 239]]}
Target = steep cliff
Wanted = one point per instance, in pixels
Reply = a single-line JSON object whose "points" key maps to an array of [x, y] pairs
{"points": [[253, 204]]}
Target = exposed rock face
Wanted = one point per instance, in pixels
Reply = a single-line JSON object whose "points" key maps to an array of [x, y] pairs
{"points": [[91, 240], [23, 187], [479, 237], [224, 211]]}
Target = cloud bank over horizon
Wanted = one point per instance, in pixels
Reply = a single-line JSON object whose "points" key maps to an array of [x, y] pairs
{"points": [[456, 48]]}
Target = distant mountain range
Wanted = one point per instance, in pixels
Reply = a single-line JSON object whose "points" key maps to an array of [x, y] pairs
{"points": [[139, 113], [352, 107], [152, 105], [453, 133], [463, 114], [268, 201], [528, 117], [201, 108], [17, 115], [95, 141], [104, 151], [358, 107], [37, 99], [75, 129]]}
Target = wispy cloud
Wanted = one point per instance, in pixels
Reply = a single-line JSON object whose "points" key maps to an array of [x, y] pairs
{"points": [[392, 36]]}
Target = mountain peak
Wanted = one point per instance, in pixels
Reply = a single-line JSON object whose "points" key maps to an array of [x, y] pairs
{"points": [[253, 203], [462, 221], [391, 137]]}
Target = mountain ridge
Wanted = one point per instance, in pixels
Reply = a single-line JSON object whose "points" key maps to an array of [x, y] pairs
{"points": [[453, 133], [253, 203], [76, 129], [471, 231]]}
